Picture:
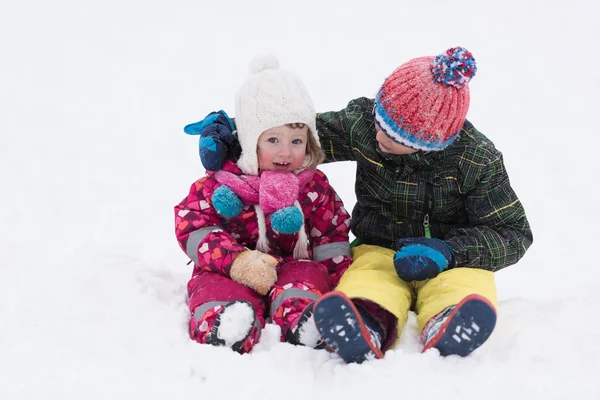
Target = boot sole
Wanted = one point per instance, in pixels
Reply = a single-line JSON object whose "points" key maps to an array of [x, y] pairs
{"points": [[468, 326], [351, 341]]}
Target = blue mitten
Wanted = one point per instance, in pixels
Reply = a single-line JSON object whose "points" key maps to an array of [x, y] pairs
{"points": [[421, 258], [287, 220], [216, 132], [226, 202]]}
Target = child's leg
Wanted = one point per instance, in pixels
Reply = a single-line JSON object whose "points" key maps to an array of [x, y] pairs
{"points": [[456, 310], [386, 322], [367, 310], [298, 285], [224, 313], [371, 281]]}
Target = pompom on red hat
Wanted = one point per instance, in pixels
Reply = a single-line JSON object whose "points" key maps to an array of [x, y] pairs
{"points": [[424, 102]]}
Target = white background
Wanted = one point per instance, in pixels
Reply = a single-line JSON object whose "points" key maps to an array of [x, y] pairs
{"points": [[93, 99]]}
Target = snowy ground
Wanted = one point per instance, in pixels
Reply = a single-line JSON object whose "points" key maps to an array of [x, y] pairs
{"points": [[93, 98]]}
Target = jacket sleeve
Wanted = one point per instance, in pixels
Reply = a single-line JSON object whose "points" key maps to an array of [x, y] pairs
{"points": [[339, 129], [499, 233], [328, 227], [198, 230]]}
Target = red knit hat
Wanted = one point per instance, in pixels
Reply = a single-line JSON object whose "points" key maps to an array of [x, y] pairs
{"points": [[424, 102]]}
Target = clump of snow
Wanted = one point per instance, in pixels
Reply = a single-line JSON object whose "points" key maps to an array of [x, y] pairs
{"points": [[308, 334], [236, 321]]}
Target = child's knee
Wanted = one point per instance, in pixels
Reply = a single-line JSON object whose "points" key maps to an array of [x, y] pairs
{"points": [[471, 281], [308, 271]]}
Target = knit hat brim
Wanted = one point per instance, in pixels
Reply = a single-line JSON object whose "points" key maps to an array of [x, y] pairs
{"points": [[404, 137]]}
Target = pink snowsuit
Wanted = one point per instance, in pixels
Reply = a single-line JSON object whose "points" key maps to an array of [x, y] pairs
{"points": [[213, 241]]}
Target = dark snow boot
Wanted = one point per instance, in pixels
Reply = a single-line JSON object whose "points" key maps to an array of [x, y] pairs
{"points": [[305, 333], [231, 325], [460, 329], [353, 334]]}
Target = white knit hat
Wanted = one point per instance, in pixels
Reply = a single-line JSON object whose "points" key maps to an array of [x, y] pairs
{"points": [[270, 97]]}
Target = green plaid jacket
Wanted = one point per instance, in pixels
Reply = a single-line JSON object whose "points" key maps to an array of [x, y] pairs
{"points": [[463, 191]]}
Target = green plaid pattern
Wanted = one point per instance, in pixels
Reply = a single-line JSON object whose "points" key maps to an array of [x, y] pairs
{"points": [[464, 190]]}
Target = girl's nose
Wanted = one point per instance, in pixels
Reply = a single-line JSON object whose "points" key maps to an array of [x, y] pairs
{"points": [[284, 150]]}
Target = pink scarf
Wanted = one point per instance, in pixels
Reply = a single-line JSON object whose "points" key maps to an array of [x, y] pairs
{"points": [[271, 190]]}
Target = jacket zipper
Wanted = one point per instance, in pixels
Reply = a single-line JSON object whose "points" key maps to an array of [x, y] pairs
{"points": [[428, 205]]}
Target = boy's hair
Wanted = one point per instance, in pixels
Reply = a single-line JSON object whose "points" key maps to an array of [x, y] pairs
{"points": [[314, 153]]}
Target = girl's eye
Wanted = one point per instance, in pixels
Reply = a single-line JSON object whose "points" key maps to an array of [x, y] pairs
{"points": [[272, 140], [297, 141]]}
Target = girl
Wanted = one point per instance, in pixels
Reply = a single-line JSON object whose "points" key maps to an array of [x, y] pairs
{"points": [[268, 235]]}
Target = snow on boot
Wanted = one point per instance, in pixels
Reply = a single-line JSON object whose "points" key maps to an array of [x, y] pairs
{"points": [[344, 330], [460, 329], [232, 325], [304, 332]]}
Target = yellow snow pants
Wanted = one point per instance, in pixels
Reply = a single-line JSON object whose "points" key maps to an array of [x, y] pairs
{"points": [[372, 276]]}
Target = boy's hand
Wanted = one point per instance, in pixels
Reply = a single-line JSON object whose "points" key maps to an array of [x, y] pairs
{"points": [[254, 269], [216, 132], [421, 258]]}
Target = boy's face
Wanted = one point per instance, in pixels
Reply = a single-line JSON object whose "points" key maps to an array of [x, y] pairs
{"points": [[282, 148], [387, 145]]}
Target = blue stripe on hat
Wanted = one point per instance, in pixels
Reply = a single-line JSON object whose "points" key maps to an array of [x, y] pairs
{"points": [[404, 137]]}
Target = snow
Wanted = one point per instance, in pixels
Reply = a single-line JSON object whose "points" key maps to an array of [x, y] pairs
{"points": [[308, 335], [93, 99], [236, 321]]}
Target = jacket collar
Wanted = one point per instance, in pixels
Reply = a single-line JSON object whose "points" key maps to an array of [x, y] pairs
{"points": [[418, 160]]}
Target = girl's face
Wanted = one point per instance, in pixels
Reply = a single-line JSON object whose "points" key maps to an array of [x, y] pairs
{"points": [[387, 145], [282, 148]]}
